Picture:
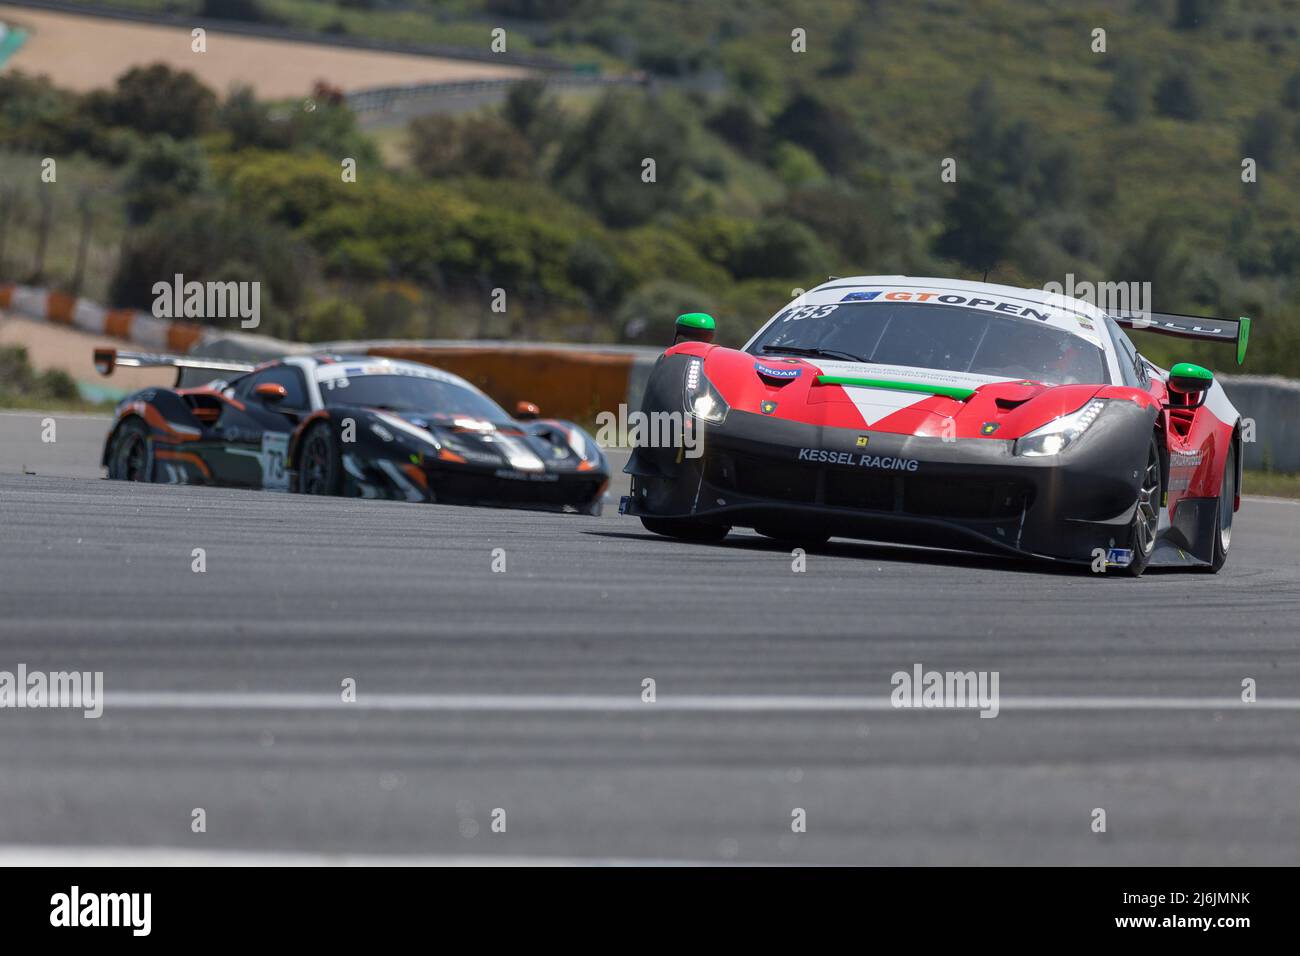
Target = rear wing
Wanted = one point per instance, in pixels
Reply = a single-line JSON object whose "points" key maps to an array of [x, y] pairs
{"points": [[1190, 327], [106, 360]]}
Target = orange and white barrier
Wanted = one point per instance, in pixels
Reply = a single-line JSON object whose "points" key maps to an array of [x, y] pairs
{"points": [[130, 325]]}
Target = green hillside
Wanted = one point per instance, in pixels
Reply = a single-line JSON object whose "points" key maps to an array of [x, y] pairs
{"points": [[775, 168]]}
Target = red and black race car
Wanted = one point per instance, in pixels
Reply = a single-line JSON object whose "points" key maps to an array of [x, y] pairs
{"points": [[349, 425], [947, 413]]}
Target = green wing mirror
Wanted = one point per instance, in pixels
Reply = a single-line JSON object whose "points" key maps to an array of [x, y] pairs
{"points": [[694, 327], [1188, 379], [1190, 382]]}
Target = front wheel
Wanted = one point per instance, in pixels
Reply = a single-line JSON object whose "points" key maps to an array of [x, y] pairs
{"points": [[130, 455], [686, 530], [1146, 516], [320, 468]]}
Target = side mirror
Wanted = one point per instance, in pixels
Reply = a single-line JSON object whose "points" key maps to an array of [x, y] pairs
{"points": [[694, 327], [526, 411], [270, 392], [1188, 379]]}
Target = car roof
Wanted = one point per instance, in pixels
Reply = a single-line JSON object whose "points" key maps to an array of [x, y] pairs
{"points": [[329, 366], [1068, 314]]}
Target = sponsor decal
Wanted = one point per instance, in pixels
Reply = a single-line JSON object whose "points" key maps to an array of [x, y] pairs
{"points": [[783, 374], [988, 428], [767, 408], [862, 440], [513, 475], [275, 453], [971, 302], [1186, 460], [800, 312], [1119, 557], [884, 462]]}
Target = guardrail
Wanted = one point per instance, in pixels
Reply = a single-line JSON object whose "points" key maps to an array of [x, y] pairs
{"points": [[386, 97], [1272, 406]]}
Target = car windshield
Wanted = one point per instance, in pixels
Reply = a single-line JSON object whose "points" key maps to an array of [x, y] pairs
{"points": [[929, 336], [411, 393]]}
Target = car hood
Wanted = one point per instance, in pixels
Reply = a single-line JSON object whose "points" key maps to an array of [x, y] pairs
{"points": [[884, 398]]}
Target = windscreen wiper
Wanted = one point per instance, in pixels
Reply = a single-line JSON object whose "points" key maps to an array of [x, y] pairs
{"points": [[824, 353]]}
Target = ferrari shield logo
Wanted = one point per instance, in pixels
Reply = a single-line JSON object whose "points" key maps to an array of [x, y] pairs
{"points": [[862, 440], [768, 407], [988, 428]]}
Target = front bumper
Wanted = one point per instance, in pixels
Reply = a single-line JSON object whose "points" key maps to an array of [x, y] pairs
{"points": [[975, 494], [472, 484]]}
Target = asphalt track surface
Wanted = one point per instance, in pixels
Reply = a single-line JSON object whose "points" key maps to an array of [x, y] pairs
{"points": [[522, 689]]}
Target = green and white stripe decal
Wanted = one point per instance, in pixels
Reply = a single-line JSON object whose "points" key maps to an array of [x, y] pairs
{"points": [[948, 391], [880, 390]]}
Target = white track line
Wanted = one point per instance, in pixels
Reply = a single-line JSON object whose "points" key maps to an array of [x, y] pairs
{"points": [[606, 703]]}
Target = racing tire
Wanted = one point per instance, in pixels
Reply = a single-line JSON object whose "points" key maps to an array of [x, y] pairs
{"points": [[1223, 515], [1146, 516], [320, 464], [130, 454], [686, 530]]}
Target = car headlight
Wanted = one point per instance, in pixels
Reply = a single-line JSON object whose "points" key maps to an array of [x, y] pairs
{"points": [[1054, 437], [703, 400]]}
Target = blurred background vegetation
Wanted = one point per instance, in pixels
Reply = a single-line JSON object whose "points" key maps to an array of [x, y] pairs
{"points": [[774, 169]]}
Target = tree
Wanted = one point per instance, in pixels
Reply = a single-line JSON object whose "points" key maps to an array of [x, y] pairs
{"points": [[210, 241], [158, 99], [1194, 14], [163, 173], [481, 145], [648, 314], [533, 113], [1177, 96], [741, 125], [602, 162], [1263, 139], [978, 227], [1291, 91], [1128, 95], [780, 247], [826, 131]]}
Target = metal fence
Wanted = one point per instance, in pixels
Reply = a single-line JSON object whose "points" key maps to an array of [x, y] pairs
{"points": [[383, 99]]}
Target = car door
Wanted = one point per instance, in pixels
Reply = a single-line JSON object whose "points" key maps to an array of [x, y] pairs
{"points": [[254, 431]]}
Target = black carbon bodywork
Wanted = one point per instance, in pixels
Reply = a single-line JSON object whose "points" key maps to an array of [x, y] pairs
{"points": [[203, 437], [376, 466], [973, 493]]}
